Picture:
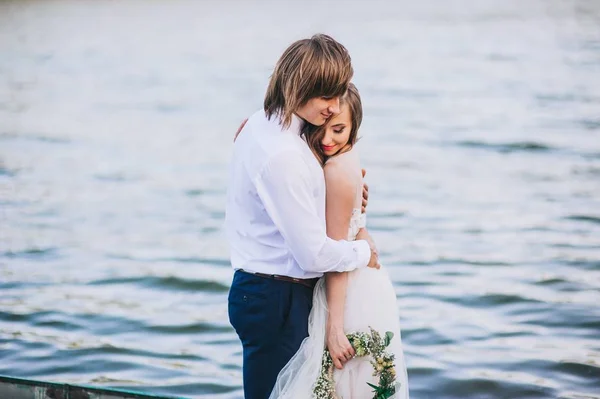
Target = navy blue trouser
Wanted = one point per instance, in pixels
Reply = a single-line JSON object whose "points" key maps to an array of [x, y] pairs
{"points": [[271, 319]]}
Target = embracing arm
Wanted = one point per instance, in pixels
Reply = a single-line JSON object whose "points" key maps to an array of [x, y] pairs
{"points": [[286, 189], [341, 195]]}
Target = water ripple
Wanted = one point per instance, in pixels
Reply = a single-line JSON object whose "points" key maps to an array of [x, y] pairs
{"points": [[167, 283], [508, 147], [483, 166]]}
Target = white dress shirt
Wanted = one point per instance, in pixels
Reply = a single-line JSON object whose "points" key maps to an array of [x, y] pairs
{"points": [[275, 215]]}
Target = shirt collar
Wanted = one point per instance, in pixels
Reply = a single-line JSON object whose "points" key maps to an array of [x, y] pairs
{"points": [[296, 124]]}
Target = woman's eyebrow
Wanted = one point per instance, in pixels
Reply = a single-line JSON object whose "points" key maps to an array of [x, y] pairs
{"points": [[338, 124]]}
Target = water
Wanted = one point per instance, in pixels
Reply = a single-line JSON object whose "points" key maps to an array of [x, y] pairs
{"points": [[481, 139]]}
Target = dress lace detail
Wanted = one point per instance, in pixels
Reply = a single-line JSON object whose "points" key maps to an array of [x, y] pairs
{"points": [[357, 222]]}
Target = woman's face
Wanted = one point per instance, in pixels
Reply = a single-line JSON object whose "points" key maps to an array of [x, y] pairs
{"points": [[337, 132]]}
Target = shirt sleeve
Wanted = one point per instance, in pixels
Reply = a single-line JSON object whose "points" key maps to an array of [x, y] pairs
{"points": [[287, 191]]}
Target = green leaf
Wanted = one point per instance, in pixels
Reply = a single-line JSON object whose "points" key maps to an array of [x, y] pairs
{"points": [[388, 337], [377, 390]]}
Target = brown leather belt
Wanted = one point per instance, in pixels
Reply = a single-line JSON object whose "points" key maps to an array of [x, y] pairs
{"points": [[308, 282]]}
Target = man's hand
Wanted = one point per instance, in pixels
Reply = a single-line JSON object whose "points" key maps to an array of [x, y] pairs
{"points": [[365, 193], [339, 347], [364, 235], [240, 129]]}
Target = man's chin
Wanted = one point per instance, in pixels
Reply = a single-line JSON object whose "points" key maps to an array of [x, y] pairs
{"points": [[320, 121]]}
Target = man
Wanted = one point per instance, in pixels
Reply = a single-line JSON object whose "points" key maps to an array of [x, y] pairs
{"points": [[275, 214]]}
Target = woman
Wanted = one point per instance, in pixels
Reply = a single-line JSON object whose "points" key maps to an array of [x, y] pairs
{"points": [[344, 302]]}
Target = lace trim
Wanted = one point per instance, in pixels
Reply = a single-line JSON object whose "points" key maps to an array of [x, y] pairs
{"points": [[358, 221]]}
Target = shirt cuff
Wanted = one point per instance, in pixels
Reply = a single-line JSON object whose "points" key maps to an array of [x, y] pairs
{"points": [[363, 253]]}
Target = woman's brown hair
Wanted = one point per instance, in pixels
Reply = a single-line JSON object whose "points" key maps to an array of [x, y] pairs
{"points": [[314, 134], [309, 68]]}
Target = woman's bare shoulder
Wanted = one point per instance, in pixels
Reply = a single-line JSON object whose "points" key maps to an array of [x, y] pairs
{"points": [[343, 169]]}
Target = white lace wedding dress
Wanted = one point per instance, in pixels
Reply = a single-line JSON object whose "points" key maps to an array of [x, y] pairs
{"points": [[370, 302]]}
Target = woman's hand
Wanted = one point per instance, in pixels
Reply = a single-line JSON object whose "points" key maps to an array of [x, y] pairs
{"points": [[339, 347]]}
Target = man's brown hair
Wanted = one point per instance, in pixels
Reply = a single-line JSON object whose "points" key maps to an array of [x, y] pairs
{"points": [[309, 68]]}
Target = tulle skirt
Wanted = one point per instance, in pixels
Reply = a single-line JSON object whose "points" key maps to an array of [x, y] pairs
{"points": [[370, 302]]}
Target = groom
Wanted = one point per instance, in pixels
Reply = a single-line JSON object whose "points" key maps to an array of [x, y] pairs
{"points": [[275, 215]]}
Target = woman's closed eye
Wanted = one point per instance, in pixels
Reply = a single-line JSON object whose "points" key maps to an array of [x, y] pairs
{"points": [[338, 131]]}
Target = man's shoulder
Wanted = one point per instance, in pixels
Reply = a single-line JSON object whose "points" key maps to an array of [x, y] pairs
{"points": [[269, 134], [258, 117], [263, 142], [254, 127], [259, 121]]}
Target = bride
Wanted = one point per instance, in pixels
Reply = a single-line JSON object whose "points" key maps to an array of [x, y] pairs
{"points": [[344, 303]]}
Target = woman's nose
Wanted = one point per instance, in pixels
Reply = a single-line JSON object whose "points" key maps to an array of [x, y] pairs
{"points": [[326, 139]]}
